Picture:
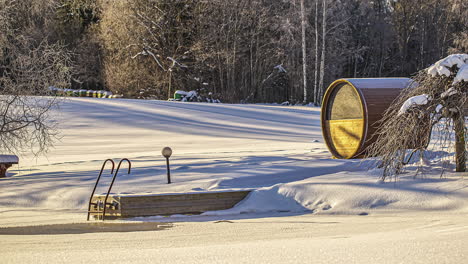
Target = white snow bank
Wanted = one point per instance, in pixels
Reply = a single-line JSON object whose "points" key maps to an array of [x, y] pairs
{"points": [[333, 194], [422, 99], [271, 199]]}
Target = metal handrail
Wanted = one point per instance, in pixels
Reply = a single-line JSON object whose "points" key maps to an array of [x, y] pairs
{"points": [[112, 183], [97, 182]]}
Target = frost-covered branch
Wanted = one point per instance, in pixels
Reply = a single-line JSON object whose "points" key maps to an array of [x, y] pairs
{"points": [[146, 52]]}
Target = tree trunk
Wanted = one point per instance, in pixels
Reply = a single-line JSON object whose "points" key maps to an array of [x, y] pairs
{"points": [[460, 151], [304, 54], [316, 93], [170, 84], [322, 59], [421, 50], [382, 38]]}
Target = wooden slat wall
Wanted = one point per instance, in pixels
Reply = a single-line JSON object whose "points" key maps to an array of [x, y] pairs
{"points": [[193, 203], [377, 100]]}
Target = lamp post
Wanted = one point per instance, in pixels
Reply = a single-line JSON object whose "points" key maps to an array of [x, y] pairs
{"points": [[167, 152]]}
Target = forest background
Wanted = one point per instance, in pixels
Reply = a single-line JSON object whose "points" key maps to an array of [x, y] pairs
{"points": [[241, 51]]}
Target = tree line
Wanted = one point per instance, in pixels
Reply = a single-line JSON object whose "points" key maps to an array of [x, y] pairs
{"points": [[243, 50]]}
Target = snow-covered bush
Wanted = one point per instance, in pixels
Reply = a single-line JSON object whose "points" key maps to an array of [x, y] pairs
{"points": [[194, 96], [435, 101]]}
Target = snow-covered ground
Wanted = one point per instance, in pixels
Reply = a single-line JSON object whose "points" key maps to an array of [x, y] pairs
{"points": [[305, 206]]}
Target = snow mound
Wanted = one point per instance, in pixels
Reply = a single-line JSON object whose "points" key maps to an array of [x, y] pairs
{"points": [[335, 196], [272, 199]]}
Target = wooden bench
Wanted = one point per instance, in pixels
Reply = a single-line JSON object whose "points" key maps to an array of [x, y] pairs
{"points": [[6, 161]]}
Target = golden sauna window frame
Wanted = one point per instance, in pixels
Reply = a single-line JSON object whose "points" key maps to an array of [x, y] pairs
{"points": [[345, 120]]}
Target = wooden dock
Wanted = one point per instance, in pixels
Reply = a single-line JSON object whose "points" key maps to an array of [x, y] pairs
{"points": [[133, 205]]}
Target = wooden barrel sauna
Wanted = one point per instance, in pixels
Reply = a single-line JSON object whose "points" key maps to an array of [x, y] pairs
{"points": [[350, 110]]}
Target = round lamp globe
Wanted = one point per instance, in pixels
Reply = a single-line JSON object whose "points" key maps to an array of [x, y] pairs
{"points": [[167, 152]]}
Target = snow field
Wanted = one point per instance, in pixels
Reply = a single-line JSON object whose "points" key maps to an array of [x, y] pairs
{"points": [[276, 151], [305, 207]]}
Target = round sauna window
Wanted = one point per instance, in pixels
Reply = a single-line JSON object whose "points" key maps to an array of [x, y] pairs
{"points": [[344, 121], [344, 103]]}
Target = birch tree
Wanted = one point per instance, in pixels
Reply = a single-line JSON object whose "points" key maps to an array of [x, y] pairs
{"points": [[304, 50], [316, 70], [321, 87]]}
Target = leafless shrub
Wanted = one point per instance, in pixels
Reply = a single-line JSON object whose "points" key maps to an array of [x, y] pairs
{"points": [[401, 134]]}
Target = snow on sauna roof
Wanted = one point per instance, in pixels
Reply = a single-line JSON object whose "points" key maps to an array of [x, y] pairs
{"points": [[380, 82], [9, 159]]}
